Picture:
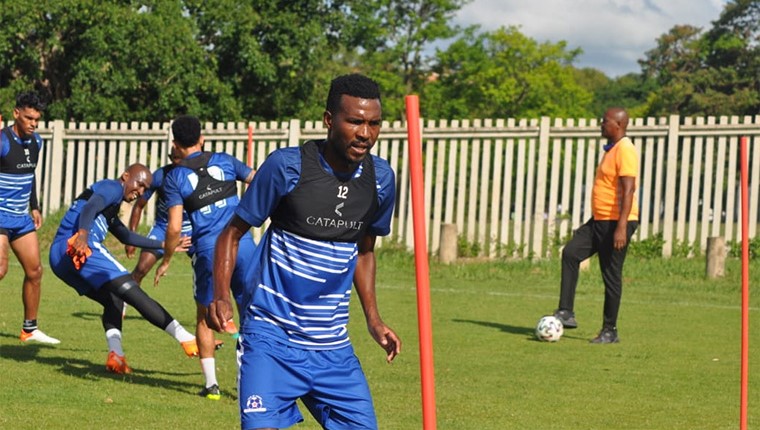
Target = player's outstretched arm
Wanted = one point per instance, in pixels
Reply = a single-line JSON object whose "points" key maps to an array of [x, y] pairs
{"points": [[134, 221], [364, 280], [173, 232]]}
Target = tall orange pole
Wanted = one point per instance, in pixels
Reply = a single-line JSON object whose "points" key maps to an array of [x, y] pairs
{"points": [[249, 158], [421, 263], [745, 283]]}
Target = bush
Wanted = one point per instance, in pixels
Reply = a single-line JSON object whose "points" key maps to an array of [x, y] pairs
{"points": [[735, 248], [650, 247]]}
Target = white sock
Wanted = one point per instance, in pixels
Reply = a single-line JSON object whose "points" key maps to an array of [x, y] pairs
{"points": [[178, 332], [208, 367], [113, 337]]}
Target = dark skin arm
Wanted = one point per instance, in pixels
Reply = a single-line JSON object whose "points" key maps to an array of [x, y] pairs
{"points": [[173, 232], [620, 238], [220, 309], [364, 280], [134, 220]]}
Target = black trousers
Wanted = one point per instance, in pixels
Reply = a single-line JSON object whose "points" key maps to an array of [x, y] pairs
{"points": [[591, 238], [114, 293]]}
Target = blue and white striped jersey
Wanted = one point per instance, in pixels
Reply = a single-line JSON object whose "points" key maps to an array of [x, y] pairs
{"points": [[301, 289], [210, 220], [16, 188], [112, 192]]}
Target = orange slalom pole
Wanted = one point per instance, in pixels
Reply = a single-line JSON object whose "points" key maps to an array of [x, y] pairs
{"points": [[745, 283], [249, 158], [421, 263]]}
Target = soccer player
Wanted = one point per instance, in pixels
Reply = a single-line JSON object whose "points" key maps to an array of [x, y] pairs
{"points": [[608, 232], [20, 148], [327, 201], [78, 256], [204, 184], [149, 256]]}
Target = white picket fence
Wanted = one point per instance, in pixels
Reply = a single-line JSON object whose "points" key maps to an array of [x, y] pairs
{"points": [[514, 188]]}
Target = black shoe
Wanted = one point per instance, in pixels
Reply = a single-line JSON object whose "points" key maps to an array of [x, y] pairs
{"points": [[211, 392], [607, 335], [567, 318]]}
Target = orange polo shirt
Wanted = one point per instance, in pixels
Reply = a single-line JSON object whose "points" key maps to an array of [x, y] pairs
{"points": [[606, 197]]}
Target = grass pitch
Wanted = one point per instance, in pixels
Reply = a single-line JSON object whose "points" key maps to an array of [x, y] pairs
{"points": [[677, 366]]}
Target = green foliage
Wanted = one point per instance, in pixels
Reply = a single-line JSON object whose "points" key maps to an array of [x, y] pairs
{"points": [[650, 247], [231, 60], [685, 249], [393, 35], [735, 248], [116, 61], [276, 56], [467, 249], [716, 72], [504, 74]]}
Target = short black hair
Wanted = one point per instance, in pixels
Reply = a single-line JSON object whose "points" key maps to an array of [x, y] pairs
{"points": [[187, 130], [355, 85], [30, 99]]}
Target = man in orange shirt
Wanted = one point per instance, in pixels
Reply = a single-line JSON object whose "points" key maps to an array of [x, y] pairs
{"points": [[608, 232]]}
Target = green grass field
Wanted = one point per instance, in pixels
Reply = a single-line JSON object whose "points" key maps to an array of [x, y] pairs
{"points": [[677, 366]]}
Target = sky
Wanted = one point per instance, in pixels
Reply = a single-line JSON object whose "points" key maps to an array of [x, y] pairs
{"points": [[613, 34]]}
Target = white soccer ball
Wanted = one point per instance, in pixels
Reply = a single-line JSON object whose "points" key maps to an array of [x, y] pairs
{"points": [[549, 329]]}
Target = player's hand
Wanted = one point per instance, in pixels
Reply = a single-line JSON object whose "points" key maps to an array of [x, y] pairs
{"points": [[387, 339], [184, 244], [620, 237], [160, 272], [219, 312], [37, 217], [78, 243], [130, 250]]}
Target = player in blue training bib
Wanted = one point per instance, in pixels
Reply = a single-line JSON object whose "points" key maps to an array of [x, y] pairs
{"points": [[204, 184], [20, 217], [79, 257], [327, 201]]}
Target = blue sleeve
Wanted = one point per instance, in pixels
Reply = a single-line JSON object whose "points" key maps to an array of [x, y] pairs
{"points": [[105, 193], [386, 198], [241, 169], [111, 190], [158, 179], [5, 146], [274, 179], [38, 139], [90, 210], [128, 237], [172, 188]]}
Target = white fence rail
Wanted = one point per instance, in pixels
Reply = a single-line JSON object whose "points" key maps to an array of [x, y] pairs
{"points": [[513, 188]]}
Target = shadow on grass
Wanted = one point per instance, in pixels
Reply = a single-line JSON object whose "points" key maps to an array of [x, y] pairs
{"points": [[528, 332], [92, 316], [88, 370]]}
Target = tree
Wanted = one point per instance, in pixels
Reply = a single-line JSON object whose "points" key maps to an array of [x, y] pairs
{"points": [[629, 91], [505, 74], [712, 73], [393, 37], [276, 55], [113, 61]]}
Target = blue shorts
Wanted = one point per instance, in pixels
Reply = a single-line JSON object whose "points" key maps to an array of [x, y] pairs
{"points": [[15, 226], [99, 268], [203, 273], [330, 383], [158, 232]]}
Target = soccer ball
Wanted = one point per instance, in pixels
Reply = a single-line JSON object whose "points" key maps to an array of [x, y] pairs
{"points": [[549, 329]]}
